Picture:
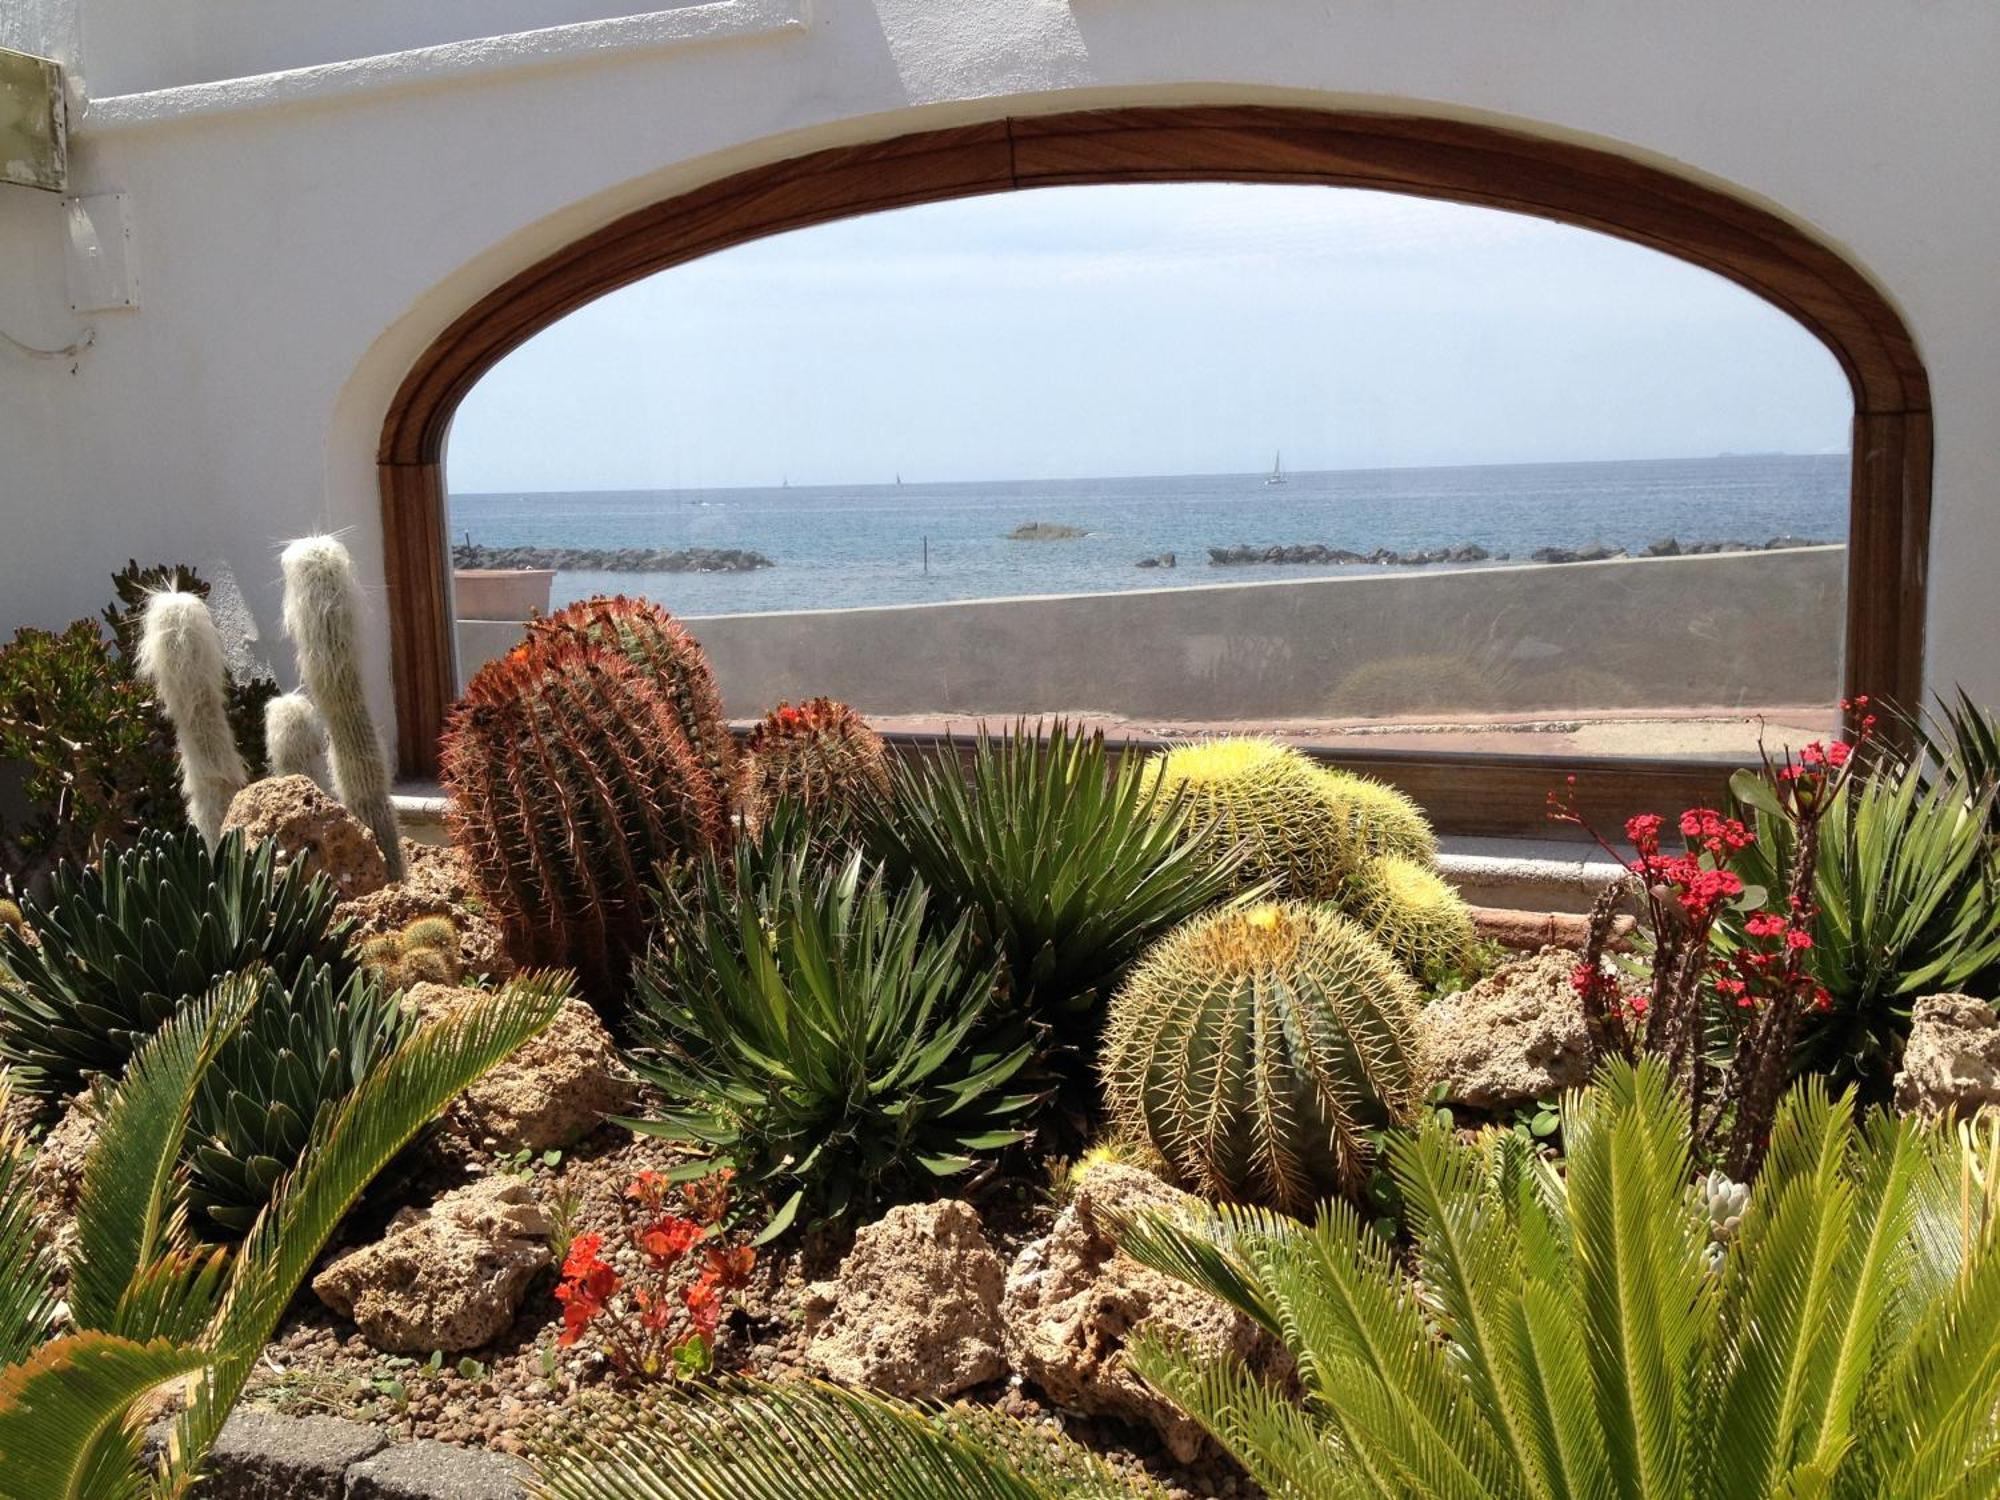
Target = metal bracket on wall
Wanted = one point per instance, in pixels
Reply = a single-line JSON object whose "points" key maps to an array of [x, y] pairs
{"points": [[34, 142]]}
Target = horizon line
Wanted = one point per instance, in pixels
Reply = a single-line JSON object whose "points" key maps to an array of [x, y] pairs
{"points": [[888, 484]]}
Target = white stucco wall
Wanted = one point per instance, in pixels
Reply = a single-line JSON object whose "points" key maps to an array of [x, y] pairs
{"points": [[301, 236]]}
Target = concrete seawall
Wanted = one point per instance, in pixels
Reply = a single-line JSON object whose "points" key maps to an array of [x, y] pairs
{"points": [[1730, 631]]}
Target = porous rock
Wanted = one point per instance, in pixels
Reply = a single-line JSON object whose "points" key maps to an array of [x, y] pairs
{"points": [[1516, 1036], [1074, 1303], [446, 1277], [435, 883], [1951, 1063], [915, 1311], [55, 1175], [306, 824], [554, 1089]]}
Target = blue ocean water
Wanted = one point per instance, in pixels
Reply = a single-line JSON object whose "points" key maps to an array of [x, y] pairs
{"points": [[837, 546]]}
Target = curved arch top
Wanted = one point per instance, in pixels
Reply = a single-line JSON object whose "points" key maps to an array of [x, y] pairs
{"points": [[1428, 157]]}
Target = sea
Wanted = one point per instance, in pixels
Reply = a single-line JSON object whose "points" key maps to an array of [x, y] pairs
{"points": [[838, 546]]}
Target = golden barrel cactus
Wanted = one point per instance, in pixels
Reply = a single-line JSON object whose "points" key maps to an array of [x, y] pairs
{"points": [[1258, 1049], [1268, 801], [1413, 912], [1377, 819]]}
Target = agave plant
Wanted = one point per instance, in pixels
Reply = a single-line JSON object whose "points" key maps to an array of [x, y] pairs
{"points": [[818, 1442], [119, 946], [304, 1047], [816, 1034], [1908, 884], [150, 1305], [1066, 864], [1963, 742], [1617, 1333]]}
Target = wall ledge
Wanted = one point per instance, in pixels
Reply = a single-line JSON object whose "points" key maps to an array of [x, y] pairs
{"points": [[447, 62]]}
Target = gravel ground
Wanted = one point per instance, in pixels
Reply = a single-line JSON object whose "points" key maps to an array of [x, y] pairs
{"points": [[495, 1397]]}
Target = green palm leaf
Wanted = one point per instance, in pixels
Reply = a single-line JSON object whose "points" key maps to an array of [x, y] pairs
{"points": [[65, 1428], [816, 1442], [27, 1296]]}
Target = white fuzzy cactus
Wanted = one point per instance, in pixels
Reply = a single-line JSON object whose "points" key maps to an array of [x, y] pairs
{"points": [[295, 739], [181, 654], [323, 619]]}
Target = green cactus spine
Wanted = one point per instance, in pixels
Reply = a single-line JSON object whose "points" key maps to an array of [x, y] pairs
{"points": [[570, 780], [1257, 1049], [295, 739], [1414, 913], [660, 647], [1266, 801], [1378, 819], [181, 654], [821, 755], [322, 616]]}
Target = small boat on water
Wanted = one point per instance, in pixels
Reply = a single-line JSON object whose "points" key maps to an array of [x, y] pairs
{"points": [[1277, 474]]}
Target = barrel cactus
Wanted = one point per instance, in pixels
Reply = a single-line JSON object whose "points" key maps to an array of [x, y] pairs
{"points": [[822, 756], [1378, 819], [1413, 912], [1257, 1049], [570, 779], [1267, 802], [305, 1045], [657, 644], [119, 946]]}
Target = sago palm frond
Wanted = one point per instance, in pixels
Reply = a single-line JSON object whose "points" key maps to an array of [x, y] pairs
{"points": [[816, 1442], [66, 1430], [27, 1269], [1596, 1337], [392, 1103]]}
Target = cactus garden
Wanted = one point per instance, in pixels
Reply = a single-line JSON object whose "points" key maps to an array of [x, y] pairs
{"points": [[724, 1099]]}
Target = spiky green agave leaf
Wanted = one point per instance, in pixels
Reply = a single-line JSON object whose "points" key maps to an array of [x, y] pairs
{"points": [[817, 1442]]}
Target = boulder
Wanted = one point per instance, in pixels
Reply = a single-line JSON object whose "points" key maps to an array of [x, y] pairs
{"points": [[555, 1089], [1952, 1061], [915, 1311], [446, 1277], [307, 824], [436, 883], [1516, 1036], [1073, 1304]]}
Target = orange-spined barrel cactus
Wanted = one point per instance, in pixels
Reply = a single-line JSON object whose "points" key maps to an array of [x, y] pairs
{"points": [[820, 755], [570, 778], [660, 647]]}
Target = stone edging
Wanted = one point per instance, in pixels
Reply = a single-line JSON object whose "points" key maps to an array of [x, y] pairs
{"points": [[261, 1455]]}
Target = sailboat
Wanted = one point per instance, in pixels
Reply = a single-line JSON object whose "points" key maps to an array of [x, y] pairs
{"points": [[1277, 474]]}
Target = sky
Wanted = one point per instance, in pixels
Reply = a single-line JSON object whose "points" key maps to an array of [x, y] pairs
{"points": [[1155, 329]]}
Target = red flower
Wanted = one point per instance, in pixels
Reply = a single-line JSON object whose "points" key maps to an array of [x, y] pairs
{"points": [[729, 1266], [668, 1239], [704, 1307]]}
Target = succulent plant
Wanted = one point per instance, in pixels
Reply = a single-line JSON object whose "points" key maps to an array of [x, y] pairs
{"points": [[305, 1045], [1267, 804], [821, 1035], [425, 951], [821, 755], [657, 644], [295, 739], [570, 780], [119, 946], [323, 618], [1413, 912], [1259, 1050], [180, 654], [1380, 819]]}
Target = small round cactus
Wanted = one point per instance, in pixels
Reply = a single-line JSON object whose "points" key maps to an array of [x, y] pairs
{"points": [[1413, 912], [1258, 1049], [1266, 800], [820, 755], [425, 951]]}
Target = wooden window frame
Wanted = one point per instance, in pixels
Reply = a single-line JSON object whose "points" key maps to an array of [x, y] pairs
{"points": [[1433, 158]]}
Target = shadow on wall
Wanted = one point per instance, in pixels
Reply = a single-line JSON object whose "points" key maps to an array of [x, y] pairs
{"points": [[1731, 631]]}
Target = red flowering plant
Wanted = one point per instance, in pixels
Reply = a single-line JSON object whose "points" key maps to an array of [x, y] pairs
{"points": [[661, 1319], [1729, 976]]}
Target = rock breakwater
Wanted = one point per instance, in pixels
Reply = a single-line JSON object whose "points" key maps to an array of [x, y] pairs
{"points": [[1472, 552], [470, 555]]}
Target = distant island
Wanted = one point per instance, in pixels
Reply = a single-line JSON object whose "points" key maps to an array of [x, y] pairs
{"points": [[472, 555], [1045, 531]]}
